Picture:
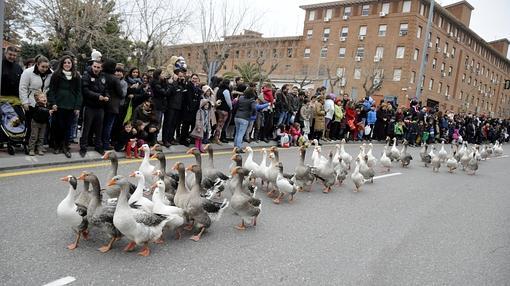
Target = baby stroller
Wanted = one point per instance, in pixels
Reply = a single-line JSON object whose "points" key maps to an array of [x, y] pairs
{"points": [[12, 126]]}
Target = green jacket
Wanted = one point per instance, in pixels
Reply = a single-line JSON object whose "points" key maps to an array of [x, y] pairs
{"points": [[398, 129], [339, 114], [66, 94]]}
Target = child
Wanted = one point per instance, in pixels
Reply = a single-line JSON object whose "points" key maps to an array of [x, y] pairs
{"points": [[295, 133], [40, 118], [128, 141], [202, 124], [399, 129], [282, 136], [306, 114]]}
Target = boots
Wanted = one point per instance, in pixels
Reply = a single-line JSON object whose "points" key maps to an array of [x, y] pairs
{"points": [[128, 150], [135, 151], [198, 145]]}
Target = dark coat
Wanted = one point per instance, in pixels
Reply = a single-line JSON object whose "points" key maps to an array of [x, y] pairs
{"points": [[11, 74], [92, 87], [114, 92], [178, 91], [160, 93]]}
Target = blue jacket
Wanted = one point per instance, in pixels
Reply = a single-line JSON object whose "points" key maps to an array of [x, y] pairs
{"points": [[371, 117], [258, 107]]}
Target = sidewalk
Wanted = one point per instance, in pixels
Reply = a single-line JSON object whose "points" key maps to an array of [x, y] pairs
{"points": [[21, 161]]}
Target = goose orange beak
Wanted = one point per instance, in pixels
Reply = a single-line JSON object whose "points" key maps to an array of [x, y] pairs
{"points": [[82, 177], [206, 147], [111, 183], [189, 168], [132, 174], [153, 186], [106, 156], [64, 179], [190, 151], [234, 172], [155, 147], [154, 156], [233, 157]]}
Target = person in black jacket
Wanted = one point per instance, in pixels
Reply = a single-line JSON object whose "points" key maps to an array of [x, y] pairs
{"points": [[11, 73], [172, 121], [191, 104], [95, 100], [160, 92], [115, 95]]}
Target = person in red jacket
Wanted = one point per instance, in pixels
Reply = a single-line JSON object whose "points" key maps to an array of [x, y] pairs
{"points": [[350, 115], [267, 133]]}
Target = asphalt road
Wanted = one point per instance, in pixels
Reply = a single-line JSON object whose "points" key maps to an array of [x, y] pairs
{"points": [[417, 228]]}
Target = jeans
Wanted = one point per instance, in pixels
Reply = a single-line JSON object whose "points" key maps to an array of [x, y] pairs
{"points": [[282, 118], [92, 124], [108, 121], [241, 126]]}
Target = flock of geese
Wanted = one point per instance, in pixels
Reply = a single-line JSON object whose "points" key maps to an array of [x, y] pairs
{"points": [[192, 198]]}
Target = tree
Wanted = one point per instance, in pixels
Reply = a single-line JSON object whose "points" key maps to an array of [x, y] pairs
{"points": [[248, 71], [302, 82], [373, 79], [17, 22], [151, 25], [218, 21], [338, 77], [81, 25]]}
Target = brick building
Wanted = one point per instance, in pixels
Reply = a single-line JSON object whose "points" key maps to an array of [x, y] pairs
{"points": [[353, 43]]}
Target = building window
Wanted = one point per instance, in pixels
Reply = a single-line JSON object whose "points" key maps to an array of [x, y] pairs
{"points": [[461, 95], [236, 55], [341, 53], [379, 53], [400, 52], [363, 30], [439, 87], [416, 53], [418, 32], [365, 9], [382, 30], [447, 91], [422, 9], [275, 53], [340, 72], [453, 51], [413, 76], [450, 70], [311, 15], [307, 52], [325, 33], [441, 20], [385, 8], [406, 7], [289, 53], [404, 28], [309, 34], [464, 77], [431, 84], [329, 14], [397, 73], [438, 42], [442, 67], [347, 11], [357, 73], [445, 50], [434, 63], [469, 80], [344, 32], [354, 93], [324, 52], [360, 52]]}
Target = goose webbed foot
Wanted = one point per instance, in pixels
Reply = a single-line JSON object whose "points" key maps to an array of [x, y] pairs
{"points": [[198, 236], [145, 250], [160, 240], [130, 246], [188, 227], [242, 226], [73, 245], [254, 221], [85, 234], [177, 234], [327, 190], [291, 198], [106, 248]]}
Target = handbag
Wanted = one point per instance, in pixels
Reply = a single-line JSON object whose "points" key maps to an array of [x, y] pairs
{"points": [[129, 112], [368, 129]]}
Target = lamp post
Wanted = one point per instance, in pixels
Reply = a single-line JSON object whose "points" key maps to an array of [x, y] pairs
{"points": [[2, 11], [424, 53]]}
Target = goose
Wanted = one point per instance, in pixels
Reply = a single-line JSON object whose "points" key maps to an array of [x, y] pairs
{"points": [[285, 186], [367, 172], [490, 150], [211, 184], [174, 214], [346, 157], [303, 176], [483, 153], [244, 205], [341, 171], [478, 156], [498, 149], [170, 179], [139, 228], [252, 165], [145, 167], [405, 158], [357, 178], [137, 198], [326, 174], [209, 171], [70, 214], [452, 163], [385, 160], [442, 154], [362, 152], [182, 194], [114, 191], [272, 174], [372, 161], [199, 208], [247, 185], [435, 162], [99, 214], [472, 165], [464, 160], [276, 153], [394, 153], [423, 153], [336, 157], [262, 172], [317, 158], [462, 151]]}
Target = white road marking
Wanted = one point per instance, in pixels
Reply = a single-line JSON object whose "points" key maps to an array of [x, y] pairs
{"points": [[387, 175], [499, 157], [61, 281]]}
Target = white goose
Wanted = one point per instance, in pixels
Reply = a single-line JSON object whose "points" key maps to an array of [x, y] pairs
{"points": [[252, 165], [139, 228], [175, 214], [357, 178], [285, 186], [145, 167], [452, 163], [346, 157], [137, 197], [69, 213], [443, 155], [385, 160], [498, 149], [394, 153], [372, 161]]}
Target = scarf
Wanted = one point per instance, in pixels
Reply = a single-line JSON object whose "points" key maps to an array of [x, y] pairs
{"points": [[68, 75]]}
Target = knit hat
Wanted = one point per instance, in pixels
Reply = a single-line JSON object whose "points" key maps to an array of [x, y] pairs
{"points": [[96, 55]]}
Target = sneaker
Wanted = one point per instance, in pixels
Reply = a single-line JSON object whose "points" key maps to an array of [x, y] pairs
{"points": [[216, 141], [166, 144], [67, 153], [83, 152], [99, 150], [40, 153], [224, 140], [108, 148], [56, 151], [31, 153]]}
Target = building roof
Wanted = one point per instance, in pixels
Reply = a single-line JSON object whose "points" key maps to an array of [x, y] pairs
{"points": [[334, 3], [460, 2], [241, 40]]}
